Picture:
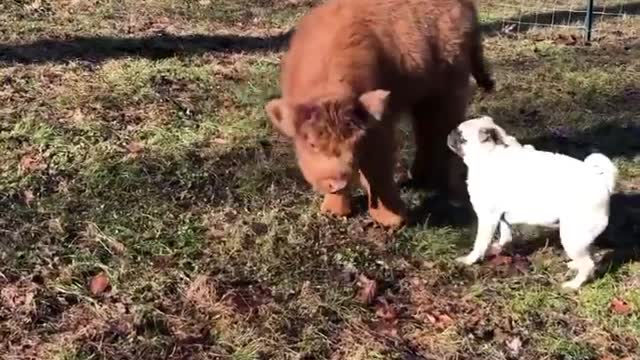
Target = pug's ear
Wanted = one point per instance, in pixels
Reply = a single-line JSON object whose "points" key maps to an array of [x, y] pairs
{"points": [[375, 102], [490, 134], [287, 117]]}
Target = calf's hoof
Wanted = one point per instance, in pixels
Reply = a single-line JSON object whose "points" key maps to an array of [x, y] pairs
{"points": [[337, 205], [387, 218]]}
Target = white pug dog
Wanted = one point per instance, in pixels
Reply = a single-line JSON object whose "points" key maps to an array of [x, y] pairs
{"points": [[513, 184]]}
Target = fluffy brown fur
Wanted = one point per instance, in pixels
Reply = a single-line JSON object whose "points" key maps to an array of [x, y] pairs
{"points": [[352, 66]]}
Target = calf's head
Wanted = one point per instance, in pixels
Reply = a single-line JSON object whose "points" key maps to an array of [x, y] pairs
{"points": [[327, 134]]}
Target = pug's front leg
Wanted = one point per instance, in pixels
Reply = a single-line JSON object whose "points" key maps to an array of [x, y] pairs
{"points": [[487, 224]]}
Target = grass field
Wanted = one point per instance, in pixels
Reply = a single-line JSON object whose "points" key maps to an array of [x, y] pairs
{"points": [[148, 210]]}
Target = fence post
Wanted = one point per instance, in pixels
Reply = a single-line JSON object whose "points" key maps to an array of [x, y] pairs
{"points": [[589, 19]]}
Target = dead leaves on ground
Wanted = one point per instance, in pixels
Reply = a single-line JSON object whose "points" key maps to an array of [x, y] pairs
{"points": [[248, 300], [510, 265], [220, 141], [620, 307], [368, 289], [32, 162], [425, 309], [99, 284], [28, 197], [18, 297], [135, 149], [515, 346], [567, 40], [387, 323], [440, 321]]}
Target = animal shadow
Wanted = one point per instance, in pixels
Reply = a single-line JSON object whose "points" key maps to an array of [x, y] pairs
{"points": [[622, 236], [620, 239], [436, 210]]}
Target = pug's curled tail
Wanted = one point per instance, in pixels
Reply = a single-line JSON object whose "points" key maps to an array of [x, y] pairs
{"points": [[603, 167]]}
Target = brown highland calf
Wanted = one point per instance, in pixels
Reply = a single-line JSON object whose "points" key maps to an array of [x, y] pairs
{"points": [[352, 67]]}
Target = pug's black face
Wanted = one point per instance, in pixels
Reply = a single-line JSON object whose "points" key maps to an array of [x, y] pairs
{"points": [[455, 140]]}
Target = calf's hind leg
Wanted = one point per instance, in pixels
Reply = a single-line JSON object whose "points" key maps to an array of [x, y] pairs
{"points": [[423, 172], [435, 165]]}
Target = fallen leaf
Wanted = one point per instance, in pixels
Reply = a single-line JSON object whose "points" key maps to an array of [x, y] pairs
{"points": [[135, 147], [568, 40], [368, 289], [386, 311], [56, 226], [216, 233], [515, 345], [37, 4], [388, 323], [117, 246], [439, 320], [501, 260], [31, 162], [247, 300], [99, 284], [28, 196], [521, 263], [386, 328], [620, 307], [445, 319], [432, 319], [77, 116], [220, 141]]}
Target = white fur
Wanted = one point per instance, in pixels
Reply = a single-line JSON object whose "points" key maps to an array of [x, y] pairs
{"points": [[513, 184]]}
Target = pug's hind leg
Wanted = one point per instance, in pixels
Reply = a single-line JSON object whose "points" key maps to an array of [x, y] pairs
{"points": [[506, 236]]}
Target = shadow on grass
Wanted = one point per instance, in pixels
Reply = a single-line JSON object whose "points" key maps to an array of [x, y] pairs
{"points": [[612, 139], [437, 211], [151, 199], [124, 192], [620, 238], [101, 48], [622, 234]]}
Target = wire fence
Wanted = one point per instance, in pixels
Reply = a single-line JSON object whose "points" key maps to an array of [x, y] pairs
{"points": [[514, 16]]}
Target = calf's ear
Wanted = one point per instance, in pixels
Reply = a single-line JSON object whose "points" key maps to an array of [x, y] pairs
{"points": [[287, 117], [375, 102], [282, 116]]}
